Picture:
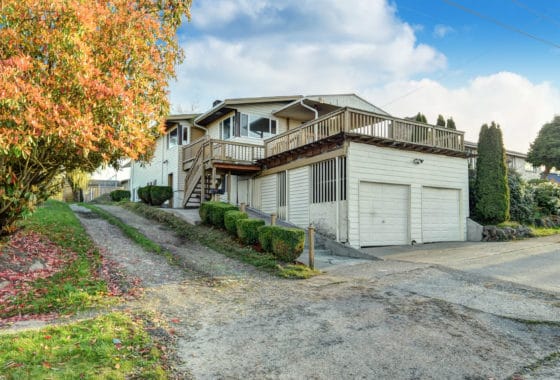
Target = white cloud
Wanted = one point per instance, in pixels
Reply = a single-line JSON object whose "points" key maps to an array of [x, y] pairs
{"points": [[441, 31], [332, 47], [518, 105], [266, 47]]}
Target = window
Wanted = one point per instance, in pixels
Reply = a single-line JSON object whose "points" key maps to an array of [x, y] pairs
{"points": [[226, 128], [185, 134], [324, 181], [257, 126], [172, 137]]}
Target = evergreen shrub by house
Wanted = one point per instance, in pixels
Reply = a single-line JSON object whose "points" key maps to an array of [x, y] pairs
{"points": [[248, 230], [265, 237], [547, 198], [144, 194], [230, 220], [119, 195], [213, 212], [492, 190], [160, 194], [287, 243], [522, 205]]}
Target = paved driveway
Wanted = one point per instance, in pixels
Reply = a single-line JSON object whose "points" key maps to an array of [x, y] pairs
{"points": [[531, 262]]}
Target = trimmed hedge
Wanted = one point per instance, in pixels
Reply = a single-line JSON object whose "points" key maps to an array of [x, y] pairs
{"points": [[265, 237], [119, 195], [160, 194], [230, 220], [287, 243], [248, 230], [213, 212], [155, 195], [144, 194]]}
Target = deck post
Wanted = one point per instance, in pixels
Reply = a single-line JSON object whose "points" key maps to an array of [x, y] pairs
{"points": [[242, 206], [311, 237], [273, 219]]}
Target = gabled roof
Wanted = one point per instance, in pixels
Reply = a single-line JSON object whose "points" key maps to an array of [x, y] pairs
{"points": [[325, 104], [184, 116], [223, 107]]}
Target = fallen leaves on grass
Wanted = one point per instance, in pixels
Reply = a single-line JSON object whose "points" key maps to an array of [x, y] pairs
{"points": [[26, 257]]}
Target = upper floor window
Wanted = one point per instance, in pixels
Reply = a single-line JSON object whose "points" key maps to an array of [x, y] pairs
{"points": [[173, 138], [257, 126], [226, 128]]}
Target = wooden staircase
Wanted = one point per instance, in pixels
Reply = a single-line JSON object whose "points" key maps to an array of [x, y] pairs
{"points": [[192, 196]]}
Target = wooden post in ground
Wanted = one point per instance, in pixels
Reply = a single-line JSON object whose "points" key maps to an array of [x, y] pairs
{"points": [[242, 207], [273, 219], [311, 237]]}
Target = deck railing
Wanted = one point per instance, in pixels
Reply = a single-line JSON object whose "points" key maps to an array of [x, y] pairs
{"points": [[222, 150], [358, 122]]}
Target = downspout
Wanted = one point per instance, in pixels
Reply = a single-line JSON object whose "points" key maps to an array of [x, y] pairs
{"points": [[316, 117], [309, 108], [337, 182]]}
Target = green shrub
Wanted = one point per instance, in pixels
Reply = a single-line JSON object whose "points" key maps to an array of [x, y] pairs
{"points": [[265, 237], [119, 195], [203, 212], [160, 194], [144, 194], [287, 243], [218, 211], [230, 220], [248, 230], [547, 198], [492, 191], [213, 212], [521, 200]]}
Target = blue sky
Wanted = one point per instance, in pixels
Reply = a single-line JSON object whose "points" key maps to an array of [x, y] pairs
{"points": [[404, 56]]}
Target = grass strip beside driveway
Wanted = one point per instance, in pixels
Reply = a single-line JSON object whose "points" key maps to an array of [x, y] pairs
{"points": [[112, 346], [220, 241], [133, 233]]}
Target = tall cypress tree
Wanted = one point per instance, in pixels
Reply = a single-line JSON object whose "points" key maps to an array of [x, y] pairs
{"points": [[440, 121], [492, 191]]}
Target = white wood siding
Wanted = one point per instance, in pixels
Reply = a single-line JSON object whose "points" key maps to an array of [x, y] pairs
{"points": [[256, 193], [298, 196], [393, 166], [384, 214], [441, 219], [268, 194], [243, 191]]}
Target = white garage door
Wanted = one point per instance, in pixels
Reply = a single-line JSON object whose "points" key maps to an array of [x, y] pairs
{"points": [[384, 214], [440, 215]]}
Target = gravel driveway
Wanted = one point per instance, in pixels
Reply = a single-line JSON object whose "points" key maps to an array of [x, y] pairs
{"points": [[378, 320]]}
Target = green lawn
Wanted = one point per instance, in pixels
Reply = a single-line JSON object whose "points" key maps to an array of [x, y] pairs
{"points": [[77, 286], [112, 346]]}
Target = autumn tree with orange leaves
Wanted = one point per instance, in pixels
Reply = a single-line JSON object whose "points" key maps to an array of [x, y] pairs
{"points": [[82, 83]]}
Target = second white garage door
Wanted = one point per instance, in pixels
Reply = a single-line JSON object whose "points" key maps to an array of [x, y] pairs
{"points": [[440, 215], [384, 214]]}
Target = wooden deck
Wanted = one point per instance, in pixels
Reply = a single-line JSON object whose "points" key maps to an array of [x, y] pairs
{"points": [[223, 153], [369, 126]]}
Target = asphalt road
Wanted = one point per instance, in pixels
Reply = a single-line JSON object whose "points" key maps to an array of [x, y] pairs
{"points": [[531, 262]]}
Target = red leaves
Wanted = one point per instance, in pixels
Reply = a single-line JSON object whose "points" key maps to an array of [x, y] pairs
{"points": [[26, 257]]}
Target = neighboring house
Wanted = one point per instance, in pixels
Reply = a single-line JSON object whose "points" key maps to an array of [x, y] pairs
{"points": [[358, 174], [514, 160], [166, 167]]}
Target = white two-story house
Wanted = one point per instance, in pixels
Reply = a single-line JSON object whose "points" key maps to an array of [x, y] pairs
{"points": [[358, 174]]}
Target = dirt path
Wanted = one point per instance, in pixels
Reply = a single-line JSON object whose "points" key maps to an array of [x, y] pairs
{"points": [[366, 321]]}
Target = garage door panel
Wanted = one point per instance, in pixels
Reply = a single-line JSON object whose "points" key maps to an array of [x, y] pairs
{"points": [[440, 214], [384, 214]]}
